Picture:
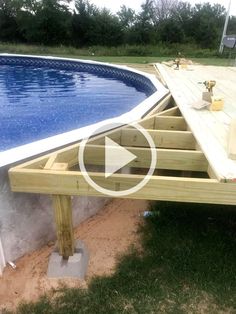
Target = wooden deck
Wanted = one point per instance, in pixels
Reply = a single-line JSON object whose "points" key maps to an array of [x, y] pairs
{"points": [[210, 128], [192, 163]]}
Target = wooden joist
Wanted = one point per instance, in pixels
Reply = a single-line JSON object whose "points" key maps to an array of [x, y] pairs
{"points": [[166, 158], [164, 123], [174, 111], [148, 123], [158, 108], [161, 138], [170, 123], [50, 162]]}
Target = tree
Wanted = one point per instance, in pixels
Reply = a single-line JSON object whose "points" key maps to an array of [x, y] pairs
{"points": [[126, 17], [182, 15], [9, 10], [171, 19], [170, 31], [107, 29], [144, 26], [206, 24], [53, 22], [83, 22], [232, 25], [163, 9]]}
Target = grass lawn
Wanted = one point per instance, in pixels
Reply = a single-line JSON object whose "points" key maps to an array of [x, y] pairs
{"points": [[113, 55], [127, 59], [139, 60], [187, 264]]}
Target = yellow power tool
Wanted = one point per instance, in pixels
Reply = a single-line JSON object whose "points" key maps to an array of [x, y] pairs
{"points": [[209, 85]]}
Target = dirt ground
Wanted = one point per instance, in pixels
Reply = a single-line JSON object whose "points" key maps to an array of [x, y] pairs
{"points": [[107, 234]]}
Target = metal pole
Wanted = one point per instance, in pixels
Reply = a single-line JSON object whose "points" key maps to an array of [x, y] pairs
{"points": [[225, 29]]}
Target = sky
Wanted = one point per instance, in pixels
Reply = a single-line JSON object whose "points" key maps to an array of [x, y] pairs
{"points": [[114, 5]]}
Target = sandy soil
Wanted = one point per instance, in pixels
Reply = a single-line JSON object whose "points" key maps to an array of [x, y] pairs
{"points": [[107, 234]]}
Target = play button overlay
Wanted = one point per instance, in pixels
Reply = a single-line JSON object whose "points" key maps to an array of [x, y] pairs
{"points": [[116, 159]]}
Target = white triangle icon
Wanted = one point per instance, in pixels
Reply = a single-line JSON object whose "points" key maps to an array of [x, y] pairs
{"points": [[116, 157]]}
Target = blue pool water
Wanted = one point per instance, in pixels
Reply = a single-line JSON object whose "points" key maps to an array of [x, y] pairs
{"points": [[39, 102]]}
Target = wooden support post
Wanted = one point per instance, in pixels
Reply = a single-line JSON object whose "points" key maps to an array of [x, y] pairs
{"points": [[63, 213], [64, 226]]}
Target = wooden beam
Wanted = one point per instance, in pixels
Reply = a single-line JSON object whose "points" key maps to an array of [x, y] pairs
{"points": [[60, 166], [166, 158], [232, 140], [114, 134], [160, 77], [164, 123], [160, 106], [170, 123], [171, 112], [69, 154], [211, 173], [162, 139], [147, 123], [50, 161], [157, 188], [64, 226]]}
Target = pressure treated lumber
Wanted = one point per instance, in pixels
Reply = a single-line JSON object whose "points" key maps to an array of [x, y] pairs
{"points": [[162, 139], [160, 106], [210, 129], [62, 213], [64, 226], [166, 158], [170, 123], [174, 111], [70, 153], [60, 166], [157, 188], [147, 123], [50, 161]]}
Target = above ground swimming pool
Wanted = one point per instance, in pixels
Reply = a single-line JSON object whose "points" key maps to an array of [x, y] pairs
{"points": [[42, 97]]}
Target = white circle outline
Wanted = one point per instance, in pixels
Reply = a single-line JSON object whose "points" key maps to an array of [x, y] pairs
{"points": [[123, 192]]}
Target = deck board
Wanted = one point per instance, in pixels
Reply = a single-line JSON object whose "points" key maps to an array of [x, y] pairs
{"points": [[211, 129]]}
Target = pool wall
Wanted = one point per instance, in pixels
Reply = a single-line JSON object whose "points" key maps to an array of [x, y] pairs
{"points": [[26, 220]]}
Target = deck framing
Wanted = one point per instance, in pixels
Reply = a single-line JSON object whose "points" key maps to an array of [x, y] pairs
{"points": [[176, 150], [182, 172]]}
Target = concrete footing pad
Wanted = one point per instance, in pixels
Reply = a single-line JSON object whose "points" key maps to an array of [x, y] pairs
{"points": [[75, 267]]}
